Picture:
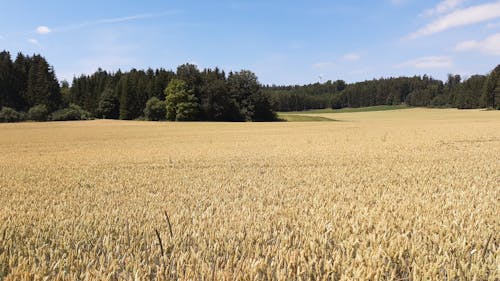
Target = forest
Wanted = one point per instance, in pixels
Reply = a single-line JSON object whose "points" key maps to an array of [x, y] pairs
{"points": [[29, 90], [478, 91]]}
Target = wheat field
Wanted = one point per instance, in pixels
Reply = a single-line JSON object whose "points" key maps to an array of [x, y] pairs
{"points": [[396, 195]]}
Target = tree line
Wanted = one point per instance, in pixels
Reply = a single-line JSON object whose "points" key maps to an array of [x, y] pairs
{"points": [[478, 91], [298, 98], [29, 90]]}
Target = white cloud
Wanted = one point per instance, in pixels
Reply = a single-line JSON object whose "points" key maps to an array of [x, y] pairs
{"points": [[428, 62], [490, 45], [351, 57], [443, 7], [323, 65], [43, 30], [1, 37], [461, 17], [34, 42]]}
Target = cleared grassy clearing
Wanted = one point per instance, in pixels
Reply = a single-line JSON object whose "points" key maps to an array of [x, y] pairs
{"points": [[349, 110], [303, 118]]}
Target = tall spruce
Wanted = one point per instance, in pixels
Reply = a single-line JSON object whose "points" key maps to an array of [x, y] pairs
{"points": [[7, 94], [43, 87], [491, 91]]}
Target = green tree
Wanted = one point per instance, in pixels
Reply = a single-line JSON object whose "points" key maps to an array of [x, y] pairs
{"points": [[43, 87], [340, 85], [181, 104], [468, 94], [125, 98], [160, 82], [155, 109], [190, 74], [38, 113], [72, 112], [108, 105], [21, 68], [242, 85], [8, 114], [215, 102], [263, 109], [337, 101], [491, 92], [7, 91], [65, 93]]}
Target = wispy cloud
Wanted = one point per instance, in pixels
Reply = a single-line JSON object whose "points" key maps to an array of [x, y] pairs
{"points": [[323, 65], [490, 45], [106, 21], [360, 71], [42, 29], [460, 17], [443, 7], [105, 49], [493, 25], [428, 62], [34, 42], [351, 57]]}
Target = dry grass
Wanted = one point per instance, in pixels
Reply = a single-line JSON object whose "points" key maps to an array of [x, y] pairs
{"points": [[395, 195]]}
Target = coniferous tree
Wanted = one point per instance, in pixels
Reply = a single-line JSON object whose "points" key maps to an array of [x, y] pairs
{"points": [[7, 91], [124, 98], [468, 94], [43, 87], [161, 80], [491, 92], [20, 80]]}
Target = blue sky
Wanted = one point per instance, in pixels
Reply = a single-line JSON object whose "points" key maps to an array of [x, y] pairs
{"points": [[283, 42]]}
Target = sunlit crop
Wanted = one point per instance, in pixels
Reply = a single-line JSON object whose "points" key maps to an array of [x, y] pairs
{"points": [[411, 194]]}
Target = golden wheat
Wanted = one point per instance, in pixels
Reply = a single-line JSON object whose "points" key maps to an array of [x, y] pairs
{"points": [[397, 195]]}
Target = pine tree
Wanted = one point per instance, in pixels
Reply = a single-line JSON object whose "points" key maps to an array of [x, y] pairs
{"points": [[124, 97], [20, 80], [6, 88], [43, 87], [491, 92]]}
